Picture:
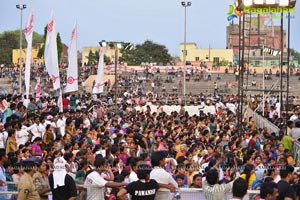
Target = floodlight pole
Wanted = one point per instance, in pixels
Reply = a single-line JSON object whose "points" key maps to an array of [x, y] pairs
{"points": [[288, 70], [185, 5], [281, 62], [21, 7], [116, 78]]}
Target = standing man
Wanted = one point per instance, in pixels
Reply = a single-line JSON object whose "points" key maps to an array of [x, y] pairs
{"points": [[239, 189], [3, 136], [145, 188], [286, 191], [95, 183], [62, 184], [269, 191], [26, 187], [138, 139], [295, 132], [160, 174], [3, 186], [212, 190]]}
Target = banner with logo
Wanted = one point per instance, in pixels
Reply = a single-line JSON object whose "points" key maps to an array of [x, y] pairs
{"points": [[60, 101], [99, 83], [37, 89], [72, 72], [51, 59], [28, 35]]}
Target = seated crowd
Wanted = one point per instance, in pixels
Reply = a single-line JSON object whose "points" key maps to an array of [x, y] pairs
{"points": [[91, 153]]}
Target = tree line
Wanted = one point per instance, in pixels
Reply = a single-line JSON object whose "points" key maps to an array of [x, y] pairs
{"points": [[148, 52]]}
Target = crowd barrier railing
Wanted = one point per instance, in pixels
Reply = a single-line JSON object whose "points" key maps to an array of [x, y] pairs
{"points": [[184, 193], [198, 194], [296, 152], [262, 122]]}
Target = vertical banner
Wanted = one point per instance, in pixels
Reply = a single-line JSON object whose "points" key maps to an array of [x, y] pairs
{"points": [[99, 83], [28, 35], [60, 101], [37, 89], [51, 57], [72, 72]]}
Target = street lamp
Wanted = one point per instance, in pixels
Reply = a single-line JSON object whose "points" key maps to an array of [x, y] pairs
{"points": [[185, 5], [116, 46], [21, 7]]}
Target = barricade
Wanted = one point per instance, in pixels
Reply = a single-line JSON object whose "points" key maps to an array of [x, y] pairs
{"points": [[262, 122], [296, 152], [185, 193]]}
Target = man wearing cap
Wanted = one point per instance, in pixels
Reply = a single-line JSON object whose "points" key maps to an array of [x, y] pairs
{"points": [[160, 174], [62, 185], [26, 187]]}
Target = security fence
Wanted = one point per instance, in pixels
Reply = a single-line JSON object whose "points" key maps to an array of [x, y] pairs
{"points": [[182, 193], [262, 122]]}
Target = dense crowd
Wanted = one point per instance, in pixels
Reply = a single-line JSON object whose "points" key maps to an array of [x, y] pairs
{"points": [[96, 149], [101, 149]]}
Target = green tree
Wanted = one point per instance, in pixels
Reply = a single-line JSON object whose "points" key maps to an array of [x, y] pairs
{"points": [[58, 43], [106, 59], [91, 57], [147, 52], [10, 40], [295, 54], [96, 57], [59, 47], [42, 49]]}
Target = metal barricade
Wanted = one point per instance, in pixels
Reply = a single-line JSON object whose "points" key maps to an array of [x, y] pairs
{"points": [[185, 193], [197, 194], [262, 122], [296, 152]]}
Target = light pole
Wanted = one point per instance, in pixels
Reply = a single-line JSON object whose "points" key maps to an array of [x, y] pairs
{"points": [[21, 7], [185, 5], [117, 46]]}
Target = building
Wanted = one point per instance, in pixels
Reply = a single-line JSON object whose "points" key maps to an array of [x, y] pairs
{"points": [[34, 53], [34, 58], [196, 55], [262, 33], [108, 51]]}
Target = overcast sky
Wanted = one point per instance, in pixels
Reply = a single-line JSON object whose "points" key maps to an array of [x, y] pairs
{"points": [[161, 21]]}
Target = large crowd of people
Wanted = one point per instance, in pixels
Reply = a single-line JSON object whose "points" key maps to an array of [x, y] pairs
{"points": [[101, 149]]}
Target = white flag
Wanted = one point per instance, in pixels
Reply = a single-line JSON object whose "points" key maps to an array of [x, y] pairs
{"points": [[60, 101], [37, 89], [99, 84], [28, 35], [51, 60], [72, 73]]}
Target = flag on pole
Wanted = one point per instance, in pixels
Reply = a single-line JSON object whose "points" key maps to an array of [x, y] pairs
{"points": [[51, 59], [72, 73], [37, 89], [99, 84], [28, 35], [60, 101]]}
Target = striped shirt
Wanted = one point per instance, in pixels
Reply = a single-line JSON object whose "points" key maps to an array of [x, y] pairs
{"points": [[217, 191]]}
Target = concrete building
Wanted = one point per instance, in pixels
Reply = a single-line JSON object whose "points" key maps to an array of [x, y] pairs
{"points": [[34, 58], [262, 34], [109, 52], [196, 55]]}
